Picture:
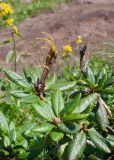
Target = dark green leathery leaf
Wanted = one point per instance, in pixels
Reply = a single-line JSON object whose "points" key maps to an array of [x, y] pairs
{"points": [[44, 128], [19, 94], [108, 90], [75, 116], [111, 137], [98, 140], [17, 79], [101, 116], [28, 74], [57, 102], [56, 136], [63, 87], [85, 102], [30, 99], [111, 140], [100, 74], [50, 81], [3, 122], [90, 75], [70, 106], [69, 128], [102, 81], [45, 111], [76, 147]]}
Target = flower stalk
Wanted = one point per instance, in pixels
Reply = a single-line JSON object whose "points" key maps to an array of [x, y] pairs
{"points": [[40, 85]]}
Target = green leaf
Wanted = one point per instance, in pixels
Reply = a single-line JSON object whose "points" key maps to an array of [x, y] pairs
{"points": [[89, 109], [110, 137], [81, 82], [85, 102], [10, 56], [26, 129], [36, 148], [12, 132], [102, 82], [56, 136], [98, 140], [3, 122], [90, 75], [70, 106], [28, 74], [108, 90], [63, 87], [36, 73], [111, 143], [22, 154], [62, 148], [19, 94], [50, 81], [30, 99], [76, 147], [69, 128], [111, 140], [101, 116], [75, 116], [44, 128], [57, 102], [17, 79], [45, 111], [100, 74], [6, 141]]}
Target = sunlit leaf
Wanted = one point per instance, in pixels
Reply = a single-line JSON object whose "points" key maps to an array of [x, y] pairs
{"points": [[76, 147], [57, 102], [10, 56]]}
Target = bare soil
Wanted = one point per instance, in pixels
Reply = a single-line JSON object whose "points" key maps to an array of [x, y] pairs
{"points": [[92, 19]]}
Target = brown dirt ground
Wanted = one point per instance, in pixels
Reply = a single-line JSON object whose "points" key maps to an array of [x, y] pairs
{"points": [[92, 19]]}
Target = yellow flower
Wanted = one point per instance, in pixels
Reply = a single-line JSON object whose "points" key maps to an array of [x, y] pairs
{"points": [[79, 40], [67, 49], [5, 9], [10, 21], [16, 30], [3, 13]]}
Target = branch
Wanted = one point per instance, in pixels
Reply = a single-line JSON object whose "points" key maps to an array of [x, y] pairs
{"points": [[82, 53], [106, 107], [40, 85]]}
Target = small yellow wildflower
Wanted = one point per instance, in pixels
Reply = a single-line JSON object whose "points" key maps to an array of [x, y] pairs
{"points": [[3, 13], [5, 9], [16, 30], [67, 49], [10, 21], [79, 40]]}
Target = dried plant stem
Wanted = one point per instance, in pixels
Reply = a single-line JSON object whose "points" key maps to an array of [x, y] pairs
{"points": [[90, 143], [106, 107], [40, 85], [82, 53]]}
